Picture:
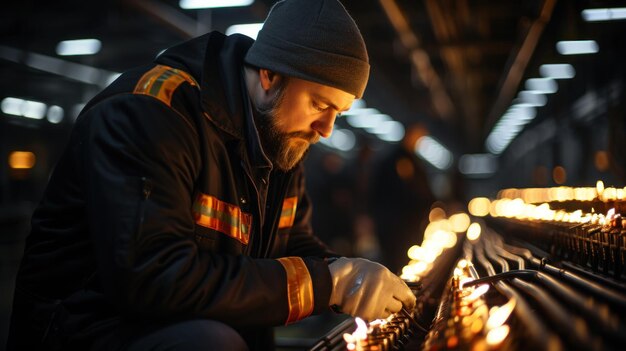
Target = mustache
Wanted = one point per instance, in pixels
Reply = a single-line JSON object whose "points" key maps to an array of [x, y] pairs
{"points": [[311, 137]]}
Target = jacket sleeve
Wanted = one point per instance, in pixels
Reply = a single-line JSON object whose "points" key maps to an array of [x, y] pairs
{"points": [[139, 159]]}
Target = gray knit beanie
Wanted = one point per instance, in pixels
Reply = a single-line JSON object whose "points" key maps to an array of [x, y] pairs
{"points": [[315, 40]]}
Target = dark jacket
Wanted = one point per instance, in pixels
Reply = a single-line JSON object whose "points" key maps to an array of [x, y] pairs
{"points": [[163, 207]]}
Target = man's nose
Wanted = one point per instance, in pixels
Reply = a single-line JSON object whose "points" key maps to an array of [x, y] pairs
{"points": [[324, 124]]}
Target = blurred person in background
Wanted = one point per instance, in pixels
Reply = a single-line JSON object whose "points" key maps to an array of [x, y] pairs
{"points": [[177, 217], [400, 200]]}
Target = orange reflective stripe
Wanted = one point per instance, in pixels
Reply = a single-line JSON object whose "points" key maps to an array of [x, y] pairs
{"points": [[218, 215], [288, 214], [299, 288], [161, 82]]}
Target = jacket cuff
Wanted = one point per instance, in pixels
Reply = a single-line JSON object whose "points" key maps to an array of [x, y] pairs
{"points": [[322, 283]]}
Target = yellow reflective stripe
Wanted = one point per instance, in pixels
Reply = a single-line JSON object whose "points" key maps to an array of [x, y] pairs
{"points": [[161, 82], [288, 214], [218, 215], [299, 288]]}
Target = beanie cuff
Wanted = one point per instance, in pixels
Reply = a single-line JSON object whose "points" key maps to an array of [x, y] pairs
{"points": [[339, 71]]}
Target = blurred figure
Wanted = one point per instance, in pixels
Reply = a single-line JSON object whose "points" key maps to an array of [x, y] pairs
{"points": [[400, 200]]}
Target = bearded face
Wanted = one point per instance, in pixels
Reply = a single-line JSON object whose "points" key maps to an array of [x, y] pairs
{"points": [[284, 149]]}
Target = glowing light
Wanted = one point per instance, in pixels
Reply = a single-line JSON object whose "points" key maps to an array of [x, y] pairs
{"points": [[436, 214], [605, 14], [479, 206], [478, 292], [460, 222], [499, 315], [434, 152], [577, 47], [78, 47], [557, 71], [497, 335], [21, 160], [599, 187], [249, 29], [203, 4], [473, 231]]}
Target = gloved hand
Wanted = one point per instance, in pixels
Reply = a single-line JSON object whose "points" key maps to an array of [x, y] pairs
{"points": [[367, 289]]}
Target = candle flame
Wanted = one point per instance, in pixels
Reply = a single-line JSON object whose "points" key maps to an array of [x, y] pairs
{"points": [[497, 335], [499, 315]]}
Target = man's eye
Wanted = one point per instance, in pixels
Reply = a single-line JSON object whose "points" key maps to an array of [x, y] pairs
{"points": [[319, 108]]}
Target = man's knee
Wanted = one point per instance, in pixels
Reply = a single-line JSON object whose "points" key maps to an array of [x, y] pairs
{"points": [[200, 334]]}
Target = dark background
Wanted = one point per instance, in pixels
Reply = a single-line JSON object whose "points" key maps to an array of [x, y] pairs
{"points": [[447, 69]]}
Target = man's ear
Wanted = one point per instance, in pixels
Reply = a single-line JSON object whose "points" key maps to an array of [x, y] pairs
{"points": [[268, 79]]}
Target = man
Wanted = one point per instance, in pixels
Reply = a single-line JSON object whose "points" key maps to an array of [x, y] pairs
{"points": [[177, 217]]}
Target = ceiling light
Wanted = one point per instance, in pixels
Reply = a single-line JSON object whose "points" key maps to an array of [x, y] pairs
{"points": [[24, 108], [542, 85], [204, 4], [390, 131], [477, 164], [557, 71], [78, 47], [577, 47], [55, 114], [251, 29], [607, 14], [531, 98], [433, 152]]}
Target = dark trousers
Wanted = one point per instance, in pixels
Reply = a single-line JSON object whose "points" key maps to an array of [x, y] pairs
{"points": [[199, 334]]}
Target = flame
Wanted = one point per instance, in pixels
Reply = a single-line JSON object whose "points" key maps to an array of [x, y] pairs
{"points": [[610, 214], [361, 329], [478, 292], [473, 232], [459, 222], [499, 315], [497, 335], [599, 187]]}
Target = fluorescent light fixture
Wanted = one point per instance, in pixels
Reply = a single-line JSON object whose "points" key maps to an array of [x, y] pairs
{"points": [[343, 139], [542, 85], [55, 114], [33, 109], [477, 164], [509, 126], [206, 4], [12, 106], [68, 69], [389, 131], [607, 14], [78, 47], [557, 71], [433, 152], [577, 47], [531, 98], [369, 118], [23, 108], [250, 29]]}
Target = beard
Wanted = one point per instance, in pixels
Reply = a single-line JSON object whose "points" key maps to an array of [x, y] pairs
{"points": [[285, 150]]}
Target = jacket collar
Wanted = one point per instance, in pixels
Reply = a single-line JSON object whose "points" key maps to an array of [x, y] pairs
{"points": [[217, 62]]}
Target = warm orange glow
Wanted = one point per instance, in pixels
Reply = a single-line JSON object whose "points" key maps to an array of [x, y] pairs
{"points": [[599, 187], [21, 160], [459, 222], [499, 315], [559, 175], [436, 214], [479, 206], [478, 292], [473, 232], [497, 335], [601, 160]]}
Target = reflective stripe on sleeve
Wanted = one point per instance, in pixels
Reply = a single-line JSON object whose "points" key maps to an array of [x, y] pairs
{"points": [[288, 213], [299, 288]]}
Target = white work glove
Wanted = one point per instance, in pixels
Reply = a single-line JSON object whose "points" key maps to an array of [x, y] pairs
{"points": [[366, 289]]}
